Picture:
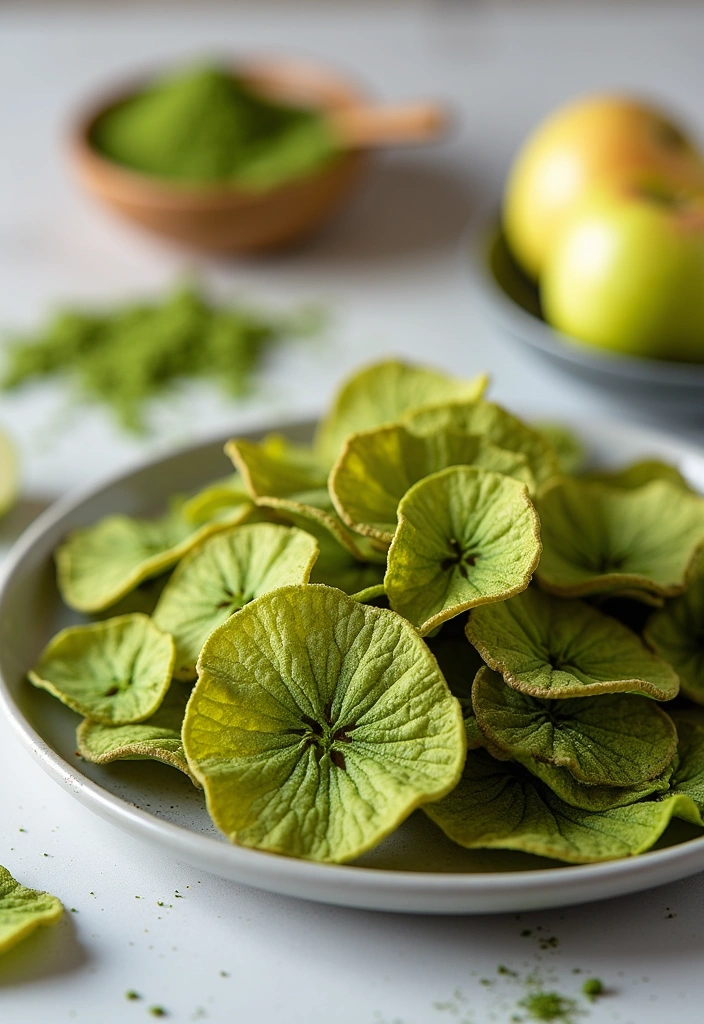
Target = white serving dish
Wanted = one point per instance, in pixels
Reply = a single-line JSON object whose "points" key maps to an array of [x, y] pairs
{"points": [[417, 870]]}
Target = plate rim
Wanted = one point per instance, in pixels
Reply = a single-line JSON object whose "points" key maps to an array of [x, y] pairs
{"points": [[342, 884]]}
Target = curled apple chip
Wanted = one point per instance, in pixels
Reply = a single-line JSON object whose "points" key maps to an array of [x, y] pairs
{"points": [[22, 910], [599, 539], [377, 467], [288, 480], [336, 567], [224, 574], [98, 565], [569, 449], [220, 500], [114, 672], [639, 473], [676, 632], [158, 738], [494, 424], [318, 724], [613, 739], [596, 798], [500, 805], [382, 393], [550, 647], [459, 663], [688, 776], [465, 537]]}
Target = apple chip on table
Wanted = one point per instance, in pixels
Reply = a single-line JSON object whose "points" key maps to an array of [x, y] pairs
{"points": [[431, 606]]}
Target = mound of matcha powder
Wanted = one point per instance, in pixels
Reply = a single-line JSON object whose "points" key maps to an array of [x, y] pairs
{"points": [[129, 354], [203, 125]]}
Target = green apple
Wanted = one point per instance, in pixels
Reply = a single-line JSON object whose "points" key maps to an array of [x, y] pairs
{"points": [[588, 141], [626, 272]]}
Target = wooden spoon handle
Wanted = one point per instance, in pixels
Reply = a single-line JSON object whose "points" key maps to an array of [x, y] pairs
{"points": [[389, 126]]}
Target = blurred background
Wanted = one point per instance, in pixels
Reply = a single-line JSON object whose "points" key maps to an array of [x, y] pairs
{"points": [[389, 270]]}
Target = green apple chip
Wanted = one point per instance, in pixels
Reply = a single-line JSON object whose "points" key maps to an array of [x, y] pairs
{"points": [[569, 450], [318, 724], [377, 467], [98, 565], [599, 539], [222, 575], [613, 739], [549, 647], [336, 567], [22, 910], [114, 672], [596, 798], [500, 805], [222, 499], [275, 467], [676, 632], [495, 425], [459, 663], [639, 473], [465, 537], [382, 393], [158, 738], [688, 777], [288, 480]]}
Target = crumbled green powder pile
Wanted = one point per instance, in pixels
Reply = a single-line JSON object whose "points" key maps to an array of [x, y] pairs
{"points": [[129, 354], [548, 1006], [203, 126]]}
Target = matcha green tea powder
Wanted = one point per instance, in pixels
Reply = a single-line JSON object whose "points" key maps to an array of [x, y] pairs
{"points": [[126, 355], [202, 125]]}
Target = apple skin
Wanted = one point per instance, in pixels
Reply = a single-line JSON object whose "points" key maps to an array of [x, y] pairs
{"points": [[626, 273], [600, 138]]}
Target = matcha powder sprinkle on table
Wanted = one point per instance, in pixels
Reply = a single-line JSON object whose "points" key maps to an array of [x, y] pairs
{"points": [[127, 355]]}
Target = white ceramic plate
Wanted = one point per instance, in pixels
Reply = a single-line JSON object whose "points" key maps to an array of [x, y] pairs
{"points": [[415, 870]]}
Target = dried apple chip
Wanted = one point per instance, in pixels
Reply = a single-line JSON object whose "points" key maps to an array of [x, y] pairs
{"points": [[569, 450], [639, 473], [114, 672], [336, 567], [676, 632], [318, 724], [98, 565], [382, 393], [613, 739], [220, 500], [549, 647], [599, 539], [500, 805], [22, 910], [222, 575], [288, 480], [465, 537], [495, 425], [596, 798], [158, 738], [377, 467]]}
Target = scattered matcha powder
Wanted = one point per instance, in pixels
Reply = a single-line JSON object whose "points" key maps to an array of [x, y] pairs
{"points": [[131, 994], [130, 354], [158, 1011], [548, 1006]]}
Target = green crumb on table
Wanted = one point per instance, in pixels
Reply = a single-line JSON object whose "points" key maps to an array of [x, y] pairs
{"points": [[548, 1006], [125, 355], [593, 987], [503, 969], [131, 994], [158, 1011]]}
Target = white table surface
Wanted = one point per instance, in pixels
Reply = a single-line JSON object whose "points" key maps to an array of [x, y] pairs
{"points": [[390, 272]]}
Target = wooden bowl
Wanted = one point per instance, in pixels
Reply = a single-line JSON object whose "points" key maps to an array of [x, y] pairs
{"points": [[227, 218]]}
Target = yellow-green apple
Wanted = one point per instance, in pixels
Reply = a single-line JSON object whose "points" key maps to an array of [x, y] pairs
{"points": [[588, 140], [626, 272]]}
